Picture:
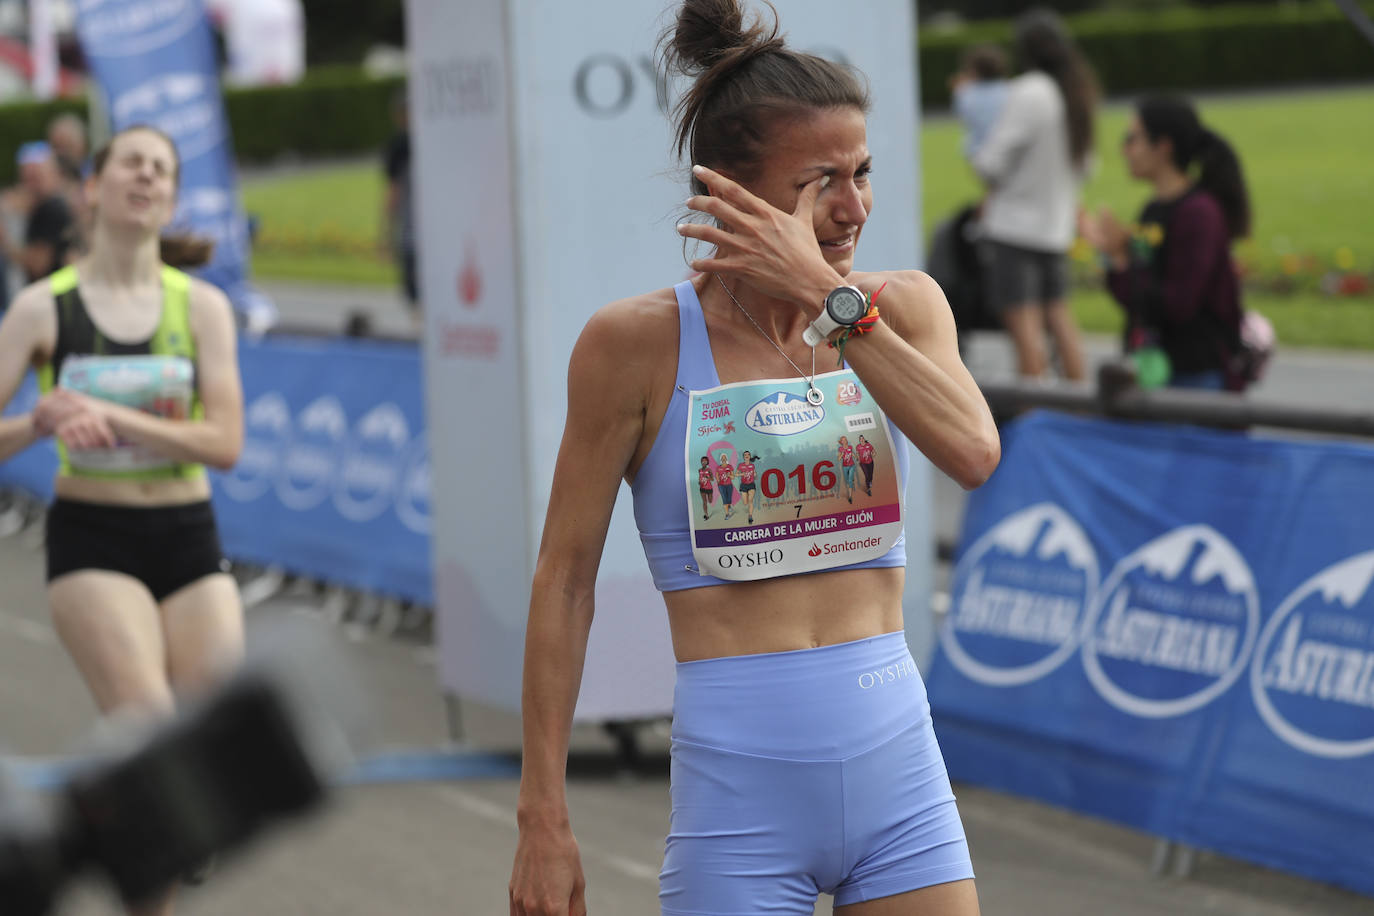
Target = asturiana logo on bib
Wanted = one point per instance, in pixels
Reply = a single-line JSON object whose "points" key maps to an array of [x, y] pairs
{"points": [[1019, 598], [1184, 605], [1312, 677], [783, 414]]}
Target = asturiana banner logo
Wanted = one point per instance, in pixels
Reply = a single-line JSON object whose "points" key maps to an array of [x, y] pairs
{"points": [[1174, 624], [1020, 595], [368, 472], [1312, 678], [783, 414], [267, 429]]}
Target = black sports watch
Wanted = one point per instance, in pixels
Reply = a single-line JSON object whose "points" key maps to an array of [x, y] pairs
{"points": [[844, 305]]}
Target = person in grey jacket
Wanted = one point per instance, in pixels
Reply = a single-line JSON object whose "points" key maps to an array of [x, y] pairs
{"points": [[1034, 162]]}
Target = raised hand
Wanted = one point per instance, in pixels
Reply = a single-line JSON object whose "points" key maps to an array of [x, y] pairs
{"points": [[774, 251]]}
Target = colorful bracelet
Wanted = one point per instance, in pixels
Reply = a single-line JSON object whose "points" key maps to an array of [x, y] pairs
{"points": [[862, 326]]}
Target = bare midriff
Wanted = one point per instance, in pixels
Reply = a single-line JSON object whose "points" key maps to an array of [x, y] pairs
{"points": [[783, 614], [173, 492]]}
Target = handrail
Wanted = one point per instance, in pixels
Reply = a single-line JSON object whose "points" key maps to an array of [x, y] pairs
{"points": [[1117, 395]]}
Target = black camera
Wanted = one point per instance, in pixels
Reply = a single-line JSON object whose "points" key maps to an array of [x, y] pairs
{"points": [[202, 785]]}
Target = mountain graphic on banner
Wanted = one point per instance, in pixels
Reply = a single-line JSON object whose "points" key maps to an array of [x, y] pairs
{"points": [[1050, 527], [1347, 582], [1169, 556]]}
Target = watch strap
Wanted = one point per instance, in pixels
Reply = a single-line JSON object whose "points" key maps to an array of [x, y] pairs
{"points": [[815, 333]]}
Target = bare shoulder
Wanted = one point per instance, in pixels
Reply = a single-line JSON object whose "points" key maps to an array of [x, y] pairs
{"points": [[212, 316], [32, 315], [33, 299], [209, 301], [912, 303], [631, 335]]}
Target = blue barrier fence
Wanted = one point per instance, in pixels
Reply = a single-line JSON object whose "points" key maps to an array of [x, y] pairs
{"points": [[1174, 629], [333, 482]]}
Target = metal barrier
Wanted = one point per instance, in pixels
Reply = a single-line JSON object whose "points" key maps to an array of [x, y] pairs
{"points": [[1116, 395]]}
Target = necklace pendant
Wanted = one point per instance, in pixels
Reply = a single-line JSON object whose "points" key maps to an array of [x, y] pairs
{"points": [[814, 396]]}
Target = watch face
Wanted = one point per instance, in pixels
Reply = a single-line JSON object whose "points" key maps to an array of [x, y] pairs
{"points": [[846, 305]]}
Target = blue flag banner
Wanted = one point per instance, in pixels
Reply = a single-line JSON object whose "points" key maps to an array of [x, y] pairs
{"points": [[155, 63], [333, 480], [1172, 628]]}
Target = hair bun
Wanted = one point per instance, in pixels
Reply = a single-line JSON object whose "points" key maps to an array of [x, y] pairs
{"points": [[708, 31]]}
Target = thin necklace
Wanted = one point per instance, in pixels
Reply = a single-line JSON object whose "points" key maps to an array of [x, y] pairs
{"points": [[814, 396]]}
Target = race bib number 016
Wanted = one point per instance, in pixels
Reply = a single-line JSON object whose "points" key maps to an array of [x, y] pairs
{"points": [[780, 486]]}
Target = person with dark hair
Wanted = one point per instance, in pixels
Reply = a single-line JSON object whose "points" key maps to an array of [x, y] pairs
{"points": [[747, 486], [136, 362], [67, 137], [706, 483], [979, 90], [398, 217], [50, 230], [1174, 276], [844, 454], [725, 480], [864, 449], [828, 779], [1034, 162]]}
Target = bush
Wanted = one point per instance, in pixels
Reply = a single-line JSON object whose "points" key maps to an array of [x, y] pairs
{"points": [[334, 111], [1184, 48]]}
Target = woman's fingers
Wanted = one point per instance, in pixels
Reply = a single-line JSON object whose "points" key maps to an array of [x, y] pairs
{"points": [[715, 207], [705, 232], [86, 431], [728, 190], [806, 200]]}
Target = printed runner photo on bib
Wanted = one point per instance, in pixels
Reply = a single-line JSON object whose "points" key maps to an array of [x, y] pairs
{"points": [[159, 385], [820, 481]]}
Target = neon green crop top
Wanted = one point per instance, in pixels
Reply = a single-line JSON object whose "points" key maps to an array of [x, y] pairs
{"points": [[156, 376]]}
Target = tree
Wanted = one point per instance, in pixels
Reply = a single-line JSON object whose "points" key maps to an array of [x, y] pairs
{"points": [[341, 31]]}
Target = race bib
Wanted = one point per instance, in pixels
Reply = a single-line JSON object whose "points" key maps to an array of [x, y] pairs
{"points": [[159, 385], [807, 503]]}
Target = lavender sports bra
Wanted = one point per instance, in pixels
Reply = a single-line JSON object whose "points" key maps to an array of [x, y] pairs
{"points": [[660, 491]]}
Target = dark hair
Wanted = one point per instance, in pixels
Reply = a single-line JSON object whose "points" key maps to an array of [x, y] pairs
{"points": [[1043, 43], [1219, 171], [177, 249], [743, 81], [985, 61]]}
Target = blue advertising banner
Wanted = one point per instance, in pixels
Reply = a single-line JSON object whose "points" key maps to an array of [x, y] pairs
{"points": [[333, 480], [155, 62], [1172, 628]]}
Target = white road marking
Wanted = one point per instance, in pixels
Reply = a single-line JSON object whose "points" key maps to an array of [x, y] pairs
{"points": [[500, 814], [30, 630]]}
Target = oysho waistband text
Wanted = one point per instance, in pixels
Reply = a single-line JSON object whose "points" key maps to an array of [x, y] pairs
{"points": [[887, 675]]}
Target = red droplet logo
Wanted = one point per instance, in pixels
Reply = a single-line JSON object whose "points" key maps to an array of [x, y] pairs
{"points": [[469, 281], [814, 551]]}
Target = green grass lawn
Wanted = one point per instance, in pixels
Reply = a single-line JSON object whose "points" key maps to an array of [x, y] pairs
{"points": [[1307, 157], [320, 225]]}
